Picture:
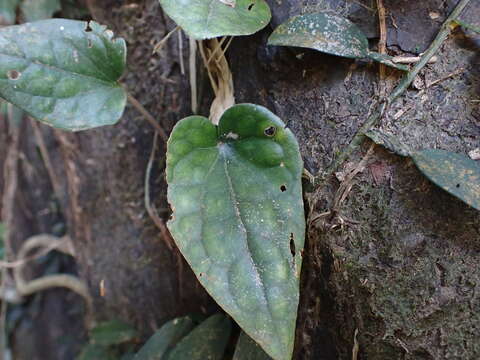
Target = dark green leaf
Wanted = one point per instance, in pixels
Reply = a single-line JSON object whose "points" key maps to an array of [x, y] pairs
{"points": [[63, 72], [129, 355], [207, 341], [112, 333], [455, 173], [247, 349], [96, 352], [162, 341], [328, 33], [206, 19], [238, 217], [7, 11], [34, 10]]}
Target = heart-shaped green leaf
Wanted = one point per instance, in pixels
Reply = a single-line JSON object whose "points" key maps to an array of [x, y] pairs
{"points": [[206, 19], [455, 173], [328, 33], [169, 334], [63, 72], [238, 217], [112, 332], [7, 11], [96, 352], [207, 341], [34, 10], [247, 349]]}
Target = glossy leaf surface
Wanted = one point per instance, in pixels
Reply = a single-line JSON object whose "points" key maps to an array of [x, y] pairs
{"points": [[164, 339], [247, 349], [238, 217], [207, 341], [455, 173], [63, 73], [328, 33], [206, 19]]}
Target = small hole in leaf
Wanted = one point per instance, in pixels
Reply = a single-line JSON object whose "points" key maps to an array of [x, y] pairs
{"points": [[89, 43], [201, 274], [458, 185], [13, 74], [270, 131], [88, 28], [283, 188], [250, 7], [292, 245]]}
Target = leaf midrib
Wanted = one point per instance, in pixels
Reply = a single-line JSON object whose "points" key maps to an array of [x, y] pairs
{"points": [[59, 69], [242, 222]]}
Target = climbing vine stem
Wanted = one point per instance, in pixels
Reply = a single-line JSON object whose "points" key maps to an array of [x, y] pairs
{"points": [[399, 90]]}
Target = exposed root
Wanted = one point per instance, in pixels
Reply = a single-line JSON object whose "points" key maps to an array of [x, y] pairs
{"points": [[70, 282]]}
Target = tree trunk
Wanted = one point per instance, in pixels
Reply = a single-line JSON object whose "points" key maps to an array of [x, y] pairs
{"points": [[392, 275]]}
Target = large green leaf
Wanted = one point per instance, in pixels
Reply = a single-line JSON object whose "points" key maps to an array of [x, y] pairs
{"points": [[112, 332], [206, 19], [207, 341], [238, 217], [455, 173], [34, 10], [247, 349], [7, 11], [328, 33], [168, 335], [63, 72], [96, 352]]}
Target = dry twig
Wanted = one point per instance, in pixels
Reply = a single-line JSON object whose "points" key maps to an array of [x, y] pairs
{"points": [[57, 189], [137, 105], [382, 46], [221, 78]]}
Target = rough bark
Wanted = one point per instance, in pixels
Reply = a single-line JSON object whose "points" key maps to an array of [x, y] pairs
{"points": [[401, 270]]}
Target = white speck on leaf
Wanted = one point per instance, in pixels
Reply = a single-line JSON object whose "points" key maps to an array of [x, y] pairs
{"points": [[75, 56], [230, 3], [232, 135]]}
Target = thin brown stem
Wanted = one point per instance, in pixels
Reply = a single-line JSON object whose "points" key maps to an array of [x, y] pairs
{"points": [[141, 109], [382, 46]]}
